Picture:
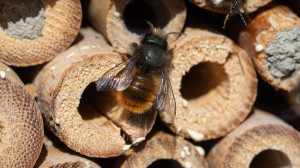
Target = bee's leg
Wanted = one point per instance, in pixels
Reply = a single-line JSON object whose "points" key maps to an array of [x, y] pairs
{"points": [[234, 6]]}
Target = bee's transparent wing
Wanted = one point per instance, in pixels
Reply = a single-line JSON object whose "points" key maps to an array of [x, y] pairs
{"points": [[119, 77], [165, 101]]}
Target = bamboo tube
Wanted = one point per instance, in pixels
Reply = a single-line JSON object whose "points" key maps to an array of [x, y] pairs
{"points": [[40, 31], [56, 155], [71, 105], [271, 40], [224, 6], [293, 99], [162, 146], [214, 84], [21, 125], [121, 21], [262, 137]]}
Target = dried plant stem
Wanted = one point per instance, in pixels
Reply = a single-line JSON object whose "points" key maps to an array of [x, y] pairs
{"points": [[164, 146], [214, 84], [109, 18], [271, 40], [262, 132], [62, 20], [21, 124]]}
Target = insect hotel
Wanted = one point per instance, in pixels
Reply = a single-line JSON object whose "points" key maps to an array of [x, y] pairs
{"points": [[146, 84]]}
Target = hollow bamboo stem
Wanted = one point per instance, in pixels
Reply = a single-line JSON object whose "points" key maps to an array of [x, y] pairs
{"points": [[162, 146], [262, 134], [112, 18], [214, 84], [89, 122], [21, 124], [55, 25], [271, 40], [55, 154]]}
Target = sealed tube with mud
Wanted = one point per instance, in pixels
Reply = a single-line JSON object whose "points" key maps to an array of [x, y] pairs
{"points": [[272, 40], [34, 31]]}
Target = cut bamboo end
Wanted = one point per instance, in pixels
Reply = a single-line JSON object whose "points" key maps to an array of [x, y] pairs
{"points": [[271, 40], [214, 84], [56, 155], [59, 87], [223, 6], [41, 31], [163, 150], [21, 124], [261, 141], [89, 122], [122, 22]]}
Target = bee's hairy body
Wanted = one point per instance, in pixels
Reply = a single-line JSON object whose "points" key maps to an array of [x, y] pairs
{"points": [[141, 93], [142, 81]]}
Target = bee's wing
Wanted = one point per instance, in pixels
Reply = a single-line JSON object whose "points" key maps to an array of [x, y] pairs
{"points": [[165, 101], [119, 77]]}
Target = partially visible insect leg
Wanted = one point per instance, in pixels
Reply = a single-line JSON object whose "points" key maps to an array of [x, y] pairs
{"points": [[234, 4], [234, 7], [239, 12]]}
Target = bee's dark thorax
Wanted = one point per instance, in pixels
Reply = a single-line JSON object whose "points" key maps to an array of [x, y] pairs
{"points": [[153, 53]]}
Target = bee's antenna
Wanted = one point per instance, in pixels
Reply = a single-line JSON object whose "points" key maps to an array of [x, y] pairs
{"points": [[180, 33], [151, 25]]}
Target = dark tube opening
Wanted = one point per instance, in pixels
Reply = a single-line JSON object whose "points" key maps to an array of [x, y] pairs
{"points": [[166, 163], [93, 105], [271, 159], [202, 79], [138, 12]]}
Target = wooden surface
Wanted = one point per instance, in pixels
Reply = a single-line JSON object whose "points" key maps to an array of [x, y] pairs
{"points": [[107, 16], [261, 132], [261, 31], [62, 23], [21, 124], [164, 146], [220, 91]]}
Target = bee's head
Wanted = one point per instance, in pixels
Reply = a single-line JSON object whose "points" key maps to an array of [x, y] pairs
{"points": [[155, 39]]}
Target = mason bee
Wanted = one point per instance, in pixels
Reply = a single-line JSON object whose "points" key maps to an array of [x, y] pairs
{"points": [[230, 7], [142, 81]]}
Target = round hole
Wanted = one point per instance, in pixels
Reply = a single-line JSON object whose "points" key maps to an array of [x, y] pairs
{"points": [[138, 12], [22, 19], [202, 79], [166, 163], [93, 105], [271, 159]]}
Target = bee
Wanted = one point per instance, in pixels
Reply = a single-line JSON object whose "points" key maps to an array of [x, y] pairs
{"points": [[142, 80], [230, 7]]}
